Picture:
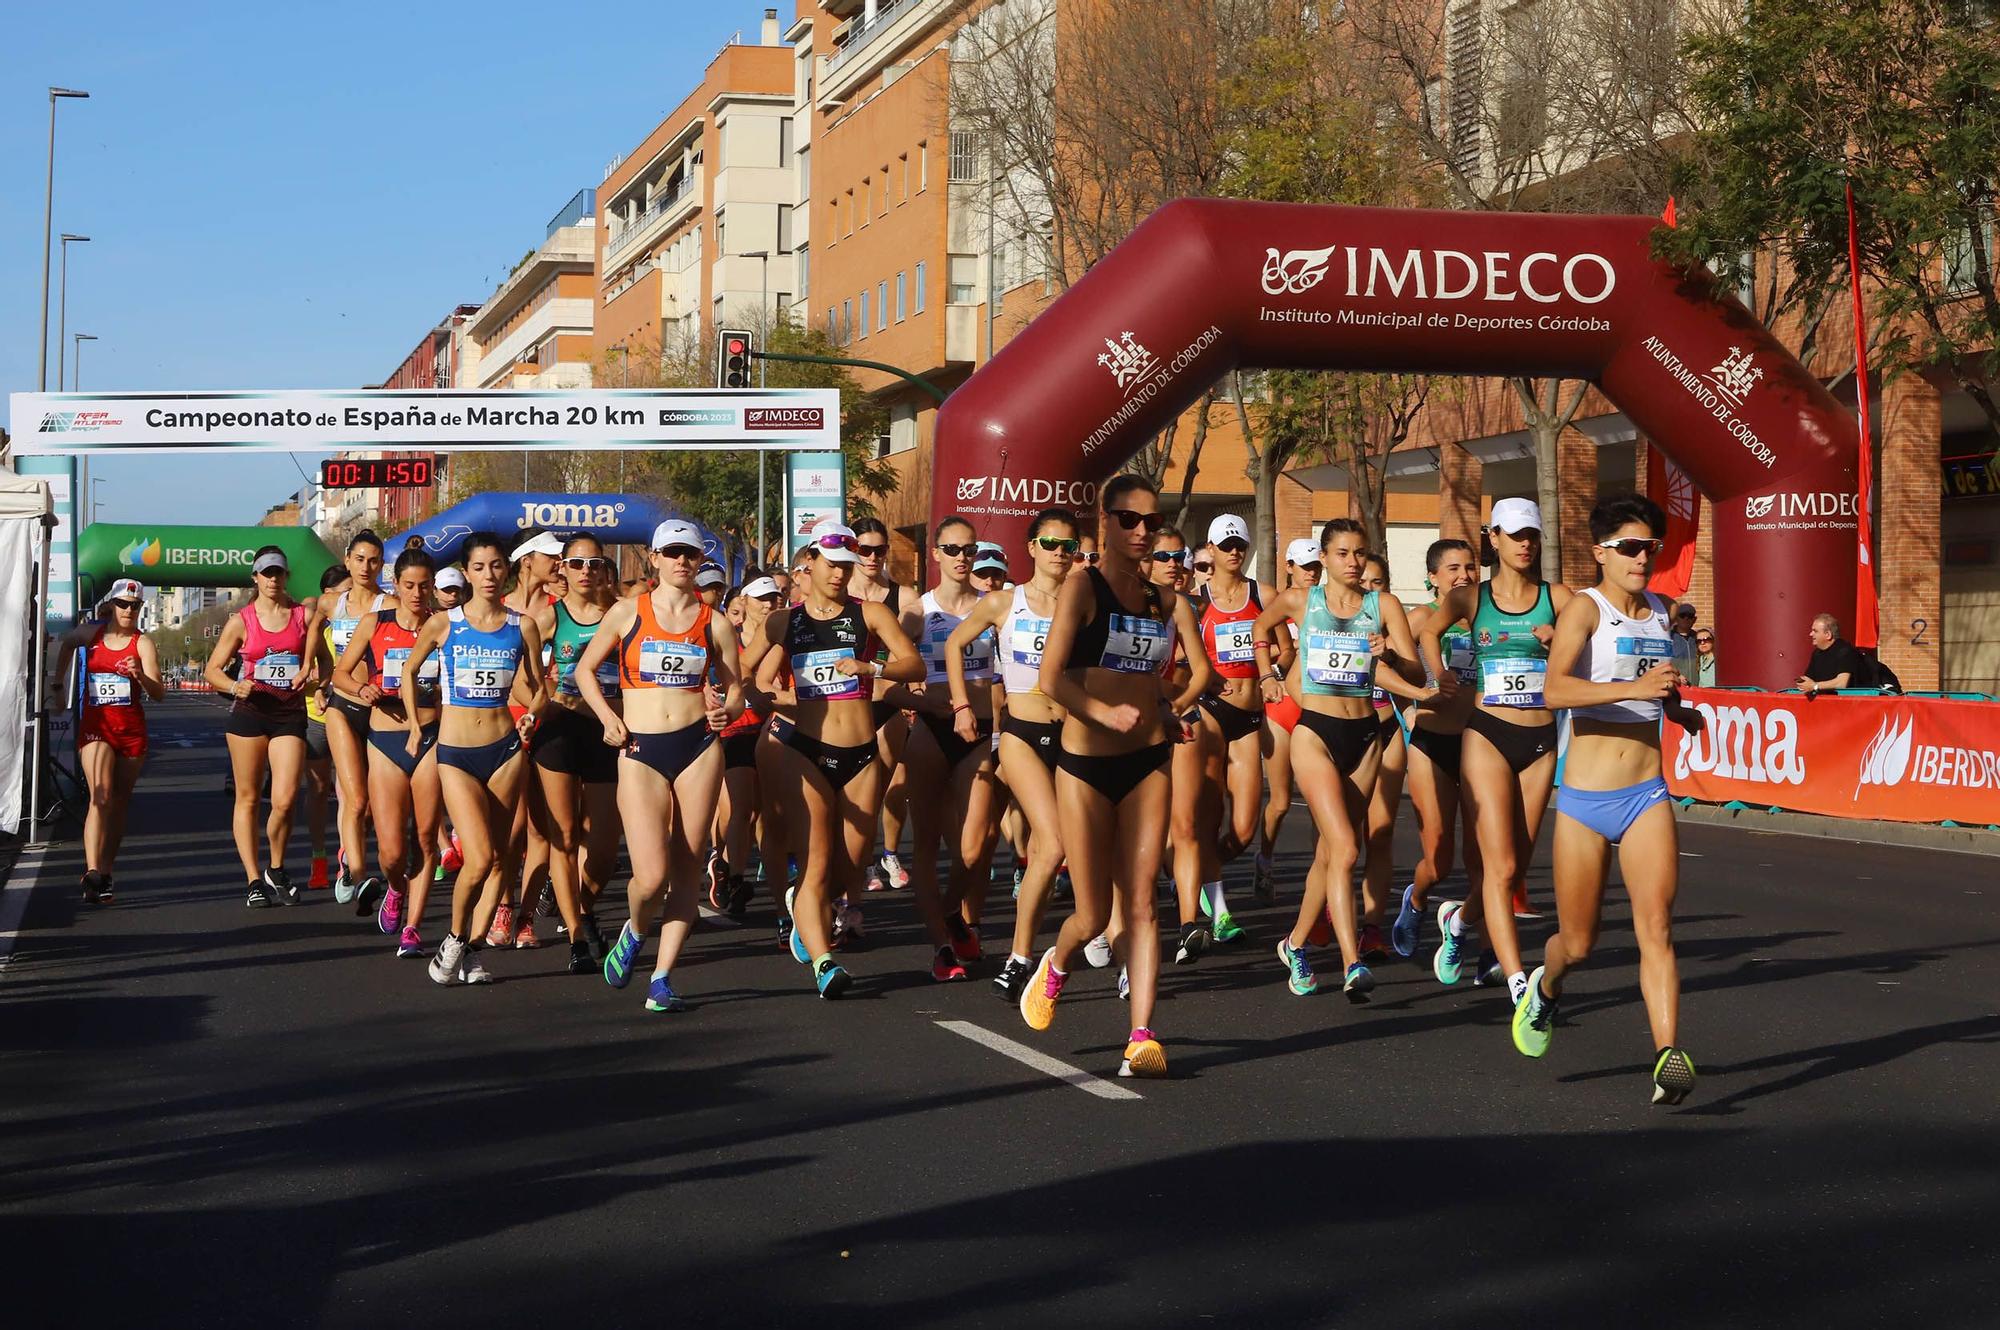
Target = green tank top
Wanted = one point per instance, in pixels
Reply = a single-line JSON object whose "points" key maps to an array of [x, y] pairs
{"points": [[567, 647], [1458, 653], [1509, 663], [1338, 662]]}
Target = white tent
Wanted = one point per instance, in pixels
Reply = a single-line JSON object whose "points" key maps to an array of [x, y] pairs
{"points": [[25, 517]]}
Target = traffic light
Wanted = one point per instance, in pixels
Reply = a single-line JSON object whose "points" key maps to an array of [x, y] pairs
{"points": [[732, 358]]}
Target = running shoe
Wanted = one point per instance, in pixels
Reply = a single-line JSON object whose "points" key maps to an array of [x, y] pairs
{"points": [[945, 967], [1486, 972], [1098, 952], [445, 965], [1013, 977], [718, 881], [875, 882], [106, 891], [1673, 1076], [798, 945], [1522, 908], [1409, 926], [91, 891], [618, 965], [474, 972], [1224, 927], [1534, 1018], [368, 895], [390, 917], [1144, 1057], [964, 939], [1124, 983], [661, 996], [524, 937], [545, 902], [741, 893], [319, 881], [1358, 984], [1372, 947], [259, 897], [892, 868], [1299, 976], [453, 857], [343, 886], [501, 933], [1263, 882], [580, 961], [437, 874], [410, 944], [593, 937], [1194, 941], [851, 921], [831, 980], [279, 882], [1450, 957], [1038, 999]]}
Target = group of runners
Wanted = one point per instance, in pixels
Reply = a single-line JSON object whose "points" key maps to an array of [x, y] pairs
{"points": [[1132, 704]]}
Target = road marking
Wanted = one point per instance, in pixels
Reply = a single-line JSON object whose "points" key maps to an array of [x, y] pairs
{"points": [[1041, 1062], [14, 893]]}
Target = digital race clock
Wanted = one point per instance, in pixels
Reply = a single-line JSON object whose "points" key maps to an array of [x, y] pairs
{"points": [[376, 473]]}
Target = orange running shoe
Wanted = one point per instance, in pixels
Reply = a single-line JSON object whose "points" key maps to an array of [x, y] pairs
{"points": [[1522, 908], [1038, 999], [1144, 1056], [501, 934], [320, 879]]}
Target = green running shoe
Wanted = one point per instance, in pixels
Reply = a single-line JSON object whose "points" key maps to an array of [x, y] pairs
{"points": [[618, 961], [1452, 951], [1673, 1076], [1299, 976], [1226, 928], [1534, 1018]]}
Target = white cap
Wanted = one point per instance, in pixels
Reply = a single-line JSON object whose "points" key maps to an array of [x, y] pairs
{"points": [[448, 577], [710, 574], [1226, 527], [271, 562], [832, 530], [676, 531], [1303, 551], [1517, 515], [990, 558], [761, 586], [544, 542]]}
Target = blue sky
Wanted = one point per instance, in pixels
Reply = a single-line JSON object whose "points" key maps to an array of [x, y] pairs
{"points": [[289, 196]]}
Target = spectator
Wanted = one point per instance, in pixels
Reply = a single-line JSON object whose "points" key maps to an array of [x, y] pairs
{"points": [[1704, 657], [1684, 621], [1835, 663]]}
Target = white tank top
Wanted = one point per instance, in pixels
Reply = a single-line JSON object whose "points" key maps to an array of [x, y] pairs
{"points": [[1620, 650], [1021, 649], [938, 626], [344, 620]]}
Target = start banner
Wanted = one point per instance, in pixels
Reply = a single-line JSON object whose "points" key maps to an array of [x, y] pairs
{"points": [[1896, 759], [431, 420]]}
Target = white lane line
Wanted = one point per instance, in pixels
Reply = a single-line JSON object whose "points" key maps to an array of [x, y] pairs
{"points": [[27, 875], [1041, 1062]]}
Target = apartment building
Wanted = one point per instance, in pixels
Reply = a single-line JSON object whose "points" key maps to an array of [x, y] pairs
{"points": [[535, 330], [432, 363], [696, 225]]}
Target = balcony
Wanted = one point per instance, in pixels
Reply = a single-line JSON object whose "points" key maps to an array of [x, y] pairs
{"points": [[658, 216], [897, 24], [861, 35]]}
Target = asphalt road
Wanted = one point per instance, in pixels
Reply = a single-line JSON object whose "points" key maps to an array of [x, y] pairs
{"points": [[215, 1116]]}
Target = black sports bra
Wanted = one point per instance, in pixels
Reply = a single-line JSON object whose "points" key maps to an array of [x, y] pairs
{"points": [[1115, 639]]}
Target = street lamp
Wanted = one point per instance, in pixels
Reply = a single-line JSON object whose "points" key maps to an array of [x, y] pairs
{"points": [[48, 220], [763, 257], [76, 359], [62, 304]]}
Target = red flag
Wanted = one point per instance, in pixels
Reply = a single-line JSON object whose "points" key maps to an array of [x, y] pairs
{"points": [[1670, 487], [1668, 215], [1866, 611]]}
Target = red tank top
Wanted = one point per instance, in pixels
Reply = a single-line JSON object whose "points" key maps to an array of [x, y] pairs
{"points": [[106, 682], [1226, 635], [652, 657], [389, 651], [274, 660]]}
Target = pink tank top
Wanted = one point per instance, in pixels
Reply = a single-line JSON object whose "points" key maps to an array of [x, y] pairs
{"points": [[273, 661]]}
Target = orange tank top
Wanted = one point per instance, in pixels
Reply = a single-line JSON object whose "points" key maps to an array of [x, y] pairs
{"points": [[652, 657]]}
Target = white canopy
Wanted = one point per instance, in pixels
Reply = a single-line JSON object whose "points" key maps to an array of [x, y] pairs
{"points": [[24, 502], [24, 496]]}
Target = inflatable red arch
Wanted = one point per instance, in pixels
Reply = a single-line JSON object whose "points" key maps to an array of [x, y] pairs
{"points": [[1205, 285]]}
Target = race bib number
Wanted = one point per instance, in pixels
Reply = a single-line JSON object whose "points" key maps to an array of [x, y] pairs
{"points": [[1338, 660], [1233, 642], [1513, 682], [110, 690], [341, 632], [1635, 655], [278, 669], [482, 678], [393, 661], [979, 657], [673, 664], [1458, 656], [816, 674], [1027, 639], [1134, 645]]}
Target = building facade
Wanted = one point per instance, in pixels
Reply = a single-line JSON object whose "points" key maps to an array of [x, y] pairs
{"points": [[535, 330]]}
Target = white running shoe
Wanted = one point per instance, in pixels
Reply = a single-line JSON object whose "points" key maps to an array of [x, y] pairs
{"points": [[1098, 952], [447, 966], [474, 972]]}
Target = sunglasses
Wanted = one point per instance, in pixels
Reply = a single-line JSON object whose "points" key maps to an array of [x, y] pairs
{"points": [[836, 542], [123, 604], [679, 552], [957, 551], [1633, 546], [1204, 568], [587, 565], [870, 551], [1089, 558], [1129, 518], [1060, 544], [1704, 641], [1233, 546], [1169, 556]]}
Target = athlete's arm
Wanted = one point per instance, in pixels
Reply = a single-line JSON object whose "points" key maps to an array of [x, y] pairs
{"points": [[1563, 690], [313, 670], [148, 672], [1200, 673], [1392, 675], [728, 704], [530, 680], [226, 647], [1559, 598], [986, 615], [904, 664], [1456, 605], [347, 671], [603, 644], [768, 665], [1286, 605]]}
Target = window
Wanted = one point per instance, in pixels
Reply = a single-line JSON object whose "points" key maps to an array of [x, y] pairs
{"points": [[721, 235], [1963, 249], [882, 304], [850, 213], [964, 163], [784, 228], [784, 141], [962, 276], [902, 302], [846, 320], [867, 187], [923, 165], [784, 307], [805, 173], [805, 269], [905, 160], [919, 307], [864, 314], [832, 325]]}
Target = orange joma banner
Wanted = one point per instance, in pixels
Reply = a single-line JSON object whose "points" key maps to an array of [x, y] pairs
{"points": [[1892, 758]]}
